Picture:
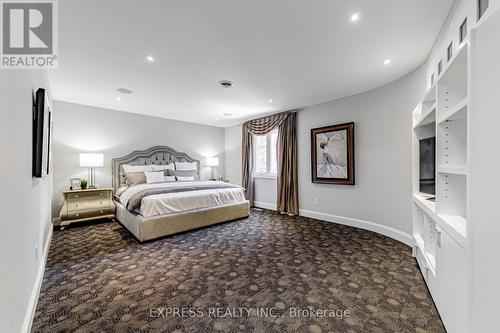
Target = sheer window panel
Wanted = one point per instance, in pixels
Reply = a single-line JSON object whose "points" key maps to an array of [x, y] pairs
{"points": [[265, 154]]}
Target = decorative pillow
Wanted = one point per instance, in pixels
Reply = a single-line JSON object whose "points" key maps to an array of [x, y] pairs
{"points": [[137, 168], [154, 177], [183, 179], [134, 178], [186, 166], [170, 166], [186, 173], [170, 178]]}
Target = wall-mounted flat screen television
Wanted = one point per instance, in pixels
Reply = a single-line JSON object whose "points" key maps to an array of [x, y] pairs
{"points": [[41, 135], [428, 165]]}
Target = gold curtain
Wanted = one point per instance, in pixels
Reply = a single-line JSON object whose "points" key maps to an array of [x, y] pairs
{"points": [[287, 158], [288, 197]]}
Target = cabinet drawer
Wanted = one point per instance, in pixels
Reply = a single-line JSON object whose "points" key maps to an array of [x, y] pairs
{"points": [[86, 195], [75, 206], [89, 213]]}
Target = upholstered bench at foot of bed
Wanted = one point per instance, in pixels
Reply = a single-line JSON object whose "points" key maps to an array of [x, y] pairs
{"points": [[158, 226]]}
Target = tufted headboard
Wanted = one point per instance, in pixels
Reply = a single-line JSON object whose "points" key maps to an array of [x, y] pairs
{"points": [[159, 155]]}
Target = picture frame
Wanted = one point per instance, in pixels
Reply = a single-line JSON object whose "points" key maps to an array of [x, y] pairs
{"points": [[75, 183], [332, 154]]}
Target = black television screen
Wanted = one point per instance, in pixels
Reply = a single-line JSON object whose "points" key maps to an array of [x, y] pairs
{"points": [[428, 165], [41, 127]]}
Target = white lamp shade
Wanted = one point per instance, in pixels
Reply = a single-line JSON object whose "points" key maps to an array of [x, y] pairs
{"points": [[91, 160], [212, 161]]}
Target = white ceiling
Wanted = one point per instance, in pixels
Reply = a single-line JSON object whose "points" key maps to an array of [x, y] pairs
{"points": [[296, 53]]}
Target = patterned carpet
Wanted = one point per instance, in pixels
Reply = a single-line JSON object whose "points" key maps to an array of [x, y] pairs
{"points": [[306, 275]]}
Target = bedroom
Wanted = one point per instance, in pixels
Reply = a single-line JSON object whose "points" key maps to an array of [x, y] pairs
{"points": [[249, 167]]}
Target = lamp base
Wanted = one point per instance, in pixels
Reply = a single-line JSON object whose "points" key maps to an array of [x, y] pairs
{"points": [[92, 179]]}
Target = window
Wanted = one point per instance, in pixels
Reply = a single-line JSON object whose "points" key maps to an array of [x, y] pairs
{"points": [[440, 67], [265, 157], [463, 31], [482, 5], [449, 51]]}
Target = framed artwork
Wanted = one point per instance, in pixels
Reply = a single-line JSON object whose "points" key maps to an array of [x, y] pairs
{"points": [[75, 183], [332, 154]]}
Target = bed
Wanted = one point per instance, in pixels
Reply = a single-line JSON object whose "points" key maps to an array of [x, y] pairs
{"points": [[159, 209]]}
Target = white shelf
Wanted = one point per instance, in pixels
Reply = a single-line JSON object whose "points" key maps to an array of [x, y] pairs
{"points": [[451, 143], [453, 169], [456, 227], [457, 66], [459, 111], [428, 206], [430, 94], [428, 116]]}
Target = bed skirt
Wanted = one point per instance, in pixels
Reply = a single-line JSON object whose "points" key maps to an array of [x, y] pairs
{"points": [[158, 226]]}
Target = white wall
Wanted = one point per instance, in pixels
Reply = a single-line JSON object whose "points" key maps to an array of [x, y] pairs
{"points": [[382, 118], [266, 192], [381, 198], [81, 128], [233, 154], [25, 201]]}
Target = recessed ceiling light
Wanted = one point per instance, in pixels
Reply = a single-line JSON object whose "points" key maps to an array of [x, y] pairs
{"points": [[387, 61], [216, 118], [226, 83], [149, 58], [228, 114], [270, 100], [124, 91], [354, 17], [118, 99]]}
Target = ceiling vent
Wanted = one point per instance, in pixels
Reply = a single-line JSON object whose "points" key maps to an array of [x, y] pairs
{"points": [[225, 83], [124, 90]]}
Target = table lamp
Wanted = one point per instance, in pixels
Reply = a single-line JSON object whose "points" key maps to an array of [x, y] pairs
{"points": [[212, 162], [91, 161]]}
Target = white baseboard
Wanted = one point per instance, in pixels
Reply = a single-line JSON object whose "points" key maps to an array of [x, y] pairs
{"points": [[265, 205], [352, 222], [398, 235], [30, 312]]}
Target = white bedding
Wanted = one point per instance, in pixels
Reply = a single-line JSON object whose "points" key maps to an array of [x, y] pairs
{"points": [[168, 203]]}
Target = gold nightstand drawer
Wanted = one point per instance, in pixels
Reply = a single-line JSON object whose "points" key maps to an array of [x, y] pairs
{"points": [[75, 206], [89, 213], [87, 195]]}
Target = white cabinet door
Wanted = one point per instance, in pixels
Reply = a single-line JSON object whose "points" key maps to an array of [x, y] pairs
{"points": [[449, 288]]}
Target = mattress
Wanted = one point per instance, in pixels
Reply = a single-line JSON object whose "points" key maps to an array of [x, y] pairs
{"points": [[176, 202]]}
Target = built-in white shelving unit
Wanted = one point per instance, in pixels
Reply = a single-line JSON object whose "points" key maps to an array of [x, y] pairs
{"points": [[440, 221], [456, 233]]}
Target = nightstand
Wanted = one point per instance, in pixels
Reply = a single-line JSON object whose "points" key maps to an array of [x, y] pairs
{"points": [[84, 205]]}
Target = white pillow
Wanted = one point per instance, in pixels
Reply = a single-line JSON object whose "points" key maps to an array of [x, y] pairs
{"points": [[137, 168], [154, 177], [169, 178], [170, 166], [185, 166], [181, 179]]}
